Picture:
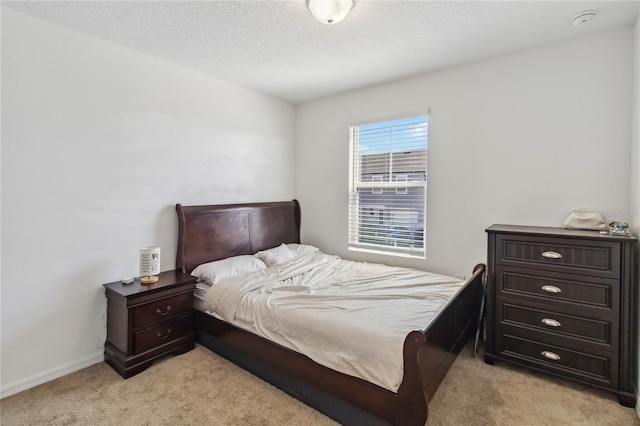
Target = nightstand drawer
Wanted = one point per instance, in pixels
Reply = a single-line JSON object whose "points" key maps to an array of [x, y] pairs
{"points": [[595, 258], [593, 367], [162, 333], [159, 310], [598, 294], [567, 329]]}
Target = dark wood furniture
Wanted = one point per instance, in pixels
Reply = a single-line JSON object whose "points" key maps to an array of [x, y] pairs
{"points": [[145, 322], [213, 232], [563, 302]]}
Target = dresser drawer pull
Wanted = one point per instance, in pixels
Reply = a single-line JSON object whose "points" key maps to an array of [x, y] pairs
{"points": [[165, 336], [550, 355], [551, 289], [550, 322], [159, 312], [552, 255]]}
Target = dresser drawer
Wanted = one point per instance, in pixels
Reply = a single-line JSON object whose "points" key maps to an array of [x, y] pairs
{"points": [[164, 332], [159, 310], [595, 258], [594, 367], [551, 326], [597, 294]]}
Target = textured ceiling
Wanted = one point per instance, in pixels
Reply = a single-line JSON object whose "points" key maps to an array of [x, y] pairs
{"points": [[277, 47]]}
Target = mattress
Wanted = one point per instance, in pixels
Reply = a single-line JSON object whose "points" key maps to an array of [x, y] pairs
{"points": [[349, 316]]}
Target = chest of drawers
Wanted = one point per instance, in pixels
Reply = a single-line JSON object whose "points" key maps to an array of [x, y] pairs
{"points": [[563, 302], [145, 322]]}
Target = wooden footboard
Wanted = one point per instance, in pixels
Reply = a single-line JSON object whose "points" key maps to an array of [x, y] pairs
{"points": [[428, 353]]}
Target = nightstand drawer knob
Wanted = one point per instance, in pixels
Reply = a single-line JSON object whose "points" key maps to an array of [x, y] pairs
{"points": [[551, 289], [159, 312], [165, 336], [550, 355], [550, 322], [552, 255]]}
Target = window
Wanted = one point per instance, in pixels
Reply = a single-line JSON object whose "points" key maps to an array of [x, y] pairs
{"points": [[377, 178], [388, 186], [403, 190]]}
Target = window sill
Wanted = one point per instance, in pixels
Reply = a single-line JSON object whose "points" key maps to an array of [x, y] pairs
{"points": [[422, 255]]}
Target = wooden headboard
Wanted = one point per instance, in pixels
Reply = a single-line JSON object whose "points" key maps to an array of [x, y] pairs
{"points": [[208, 233]]}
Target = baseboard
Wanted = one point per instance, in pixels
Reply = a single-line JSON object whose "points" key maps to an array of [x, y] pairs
{"points": [[48, 375]]}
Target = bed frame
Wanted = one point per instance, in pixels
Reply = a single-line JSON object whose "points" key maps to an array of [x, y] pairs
{"points": [[208, 233]]}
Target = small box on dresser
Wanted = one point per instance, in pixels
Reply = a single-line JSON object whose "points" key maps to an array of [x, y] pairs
{"points": [[563, 302], [145, 322]]}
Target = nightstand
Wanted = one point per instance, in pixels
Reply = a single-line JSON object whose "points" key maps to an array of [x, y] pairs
{"points": [[145, 322]]}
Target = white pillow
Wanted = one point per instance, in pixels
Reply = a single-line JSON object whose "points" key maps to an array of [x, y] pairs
{"points": [[276, 255], [213, 272], [300, 249]]}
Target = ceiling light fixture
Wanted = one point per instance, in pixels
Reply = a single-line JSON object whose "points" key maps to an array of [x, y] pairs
{"points": [[330, 11]]}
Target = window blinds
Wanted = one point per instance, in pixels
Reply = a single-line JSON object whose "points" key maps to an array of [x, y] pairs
{"points": [[388, 186]]}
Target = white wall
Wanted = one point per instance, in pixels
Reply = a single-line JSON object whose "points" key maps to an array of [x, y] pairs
{"points": [[635, 148], [634, 221], [521, 139], [98, 144]]}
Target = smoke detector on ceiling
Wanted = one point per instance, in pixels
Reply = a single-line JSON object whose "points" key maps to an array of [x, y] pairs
{"points": [[583, 17]]}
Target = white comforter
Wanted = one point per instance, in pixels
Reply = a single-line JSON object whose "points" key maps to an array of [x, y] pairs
{"points": [[349, 316]]}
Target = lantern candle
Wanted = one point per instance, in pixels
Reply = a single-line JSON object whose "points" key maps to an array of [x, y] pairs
{"points": [[149, 264]]}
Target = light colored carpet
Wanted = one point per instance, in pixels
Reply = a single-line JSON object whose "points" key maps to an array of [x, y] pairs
{"points": [[475, 393], [200, 388]]}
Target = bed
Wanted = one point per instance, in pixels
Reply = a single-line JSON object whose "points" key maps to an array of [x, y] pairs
{"points": [[214, 232]]}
